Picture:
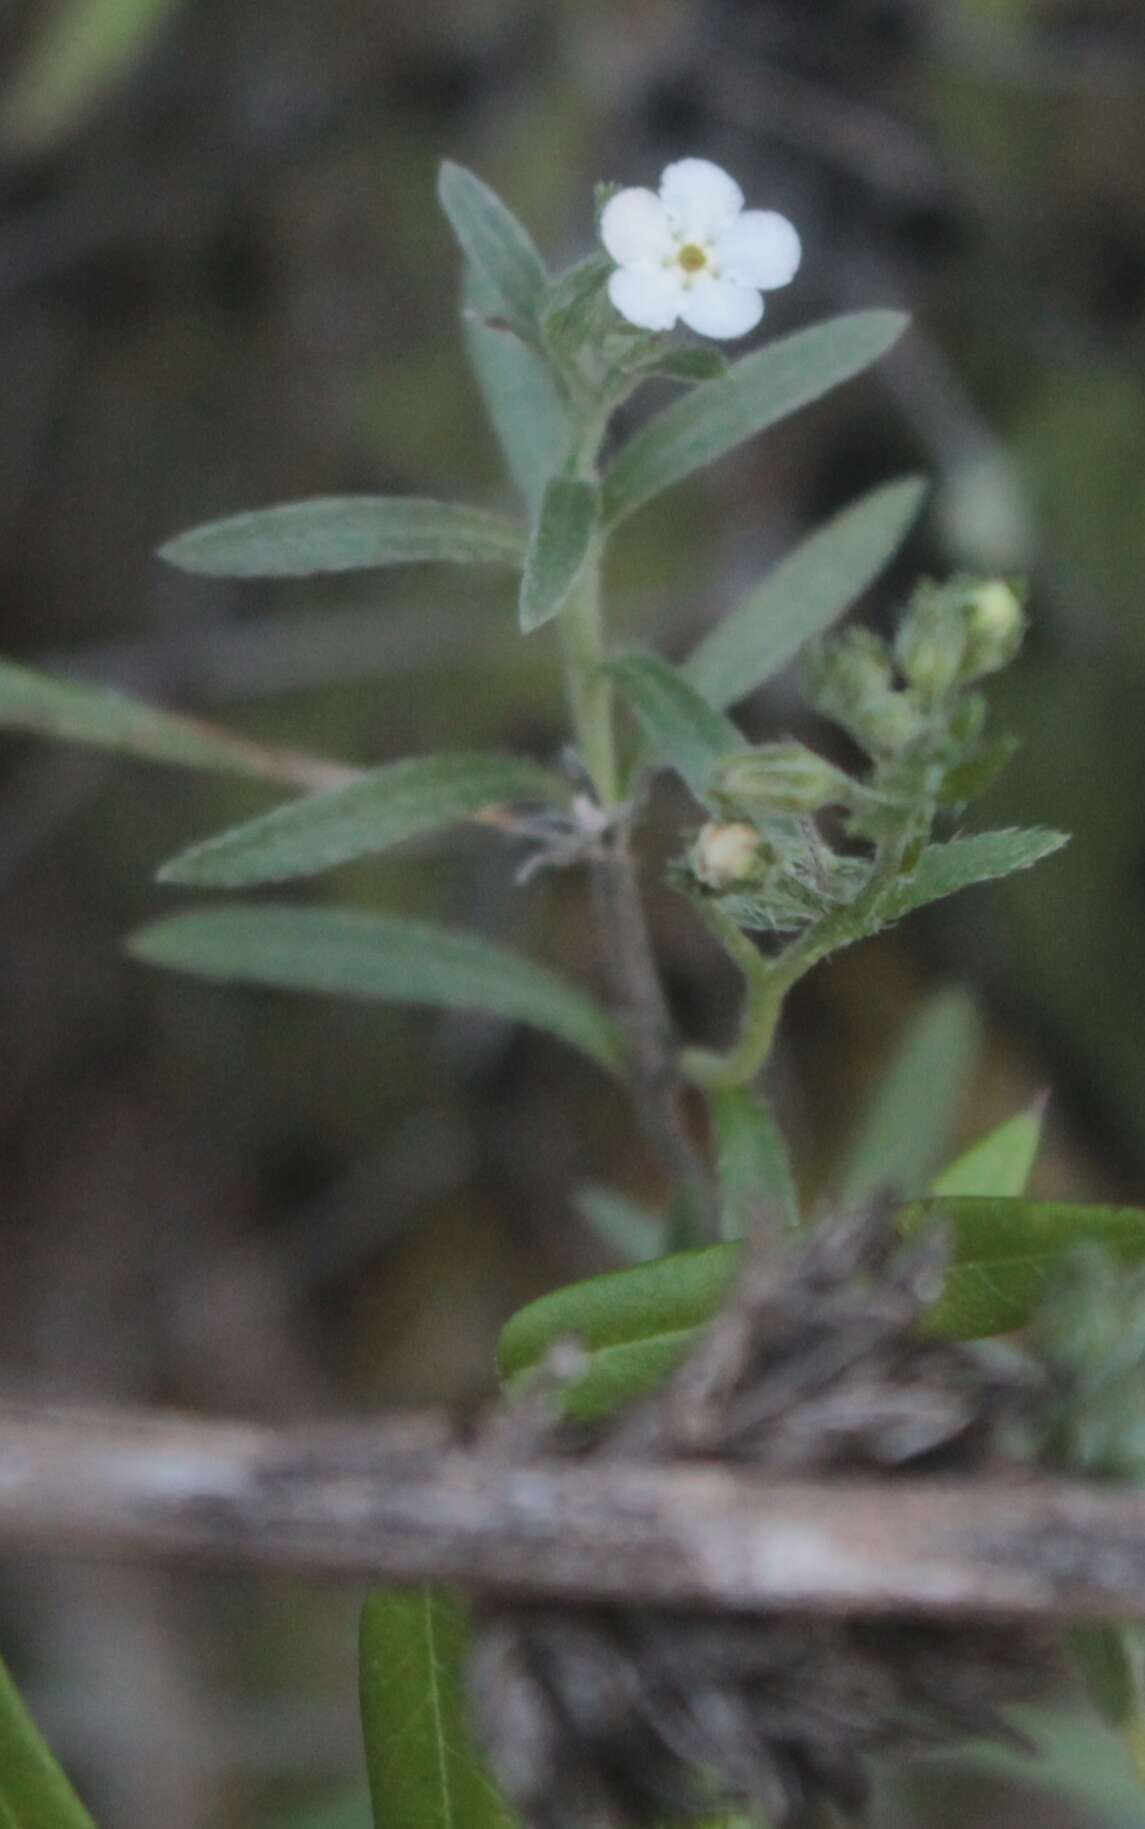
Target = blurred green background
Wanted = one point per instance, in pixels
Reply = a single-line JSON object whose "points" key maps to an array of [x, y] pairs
{"points": [[223, 282]]}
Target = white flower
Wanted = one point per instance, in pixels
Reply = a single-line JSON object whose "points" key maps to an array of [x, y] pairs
{"points": [[694, 253]]}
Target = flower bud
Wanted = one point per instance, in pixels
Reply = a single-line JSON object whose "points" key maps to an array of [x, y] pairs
{"points": [[845, 674], [995, 625], [727, 852], [890, 723], [781, 778], [931, 651]]}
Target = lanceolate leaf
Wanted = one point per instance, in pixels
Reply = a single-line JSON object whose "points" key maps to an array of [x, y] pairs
{"points": [[562, 539], [698, 363], [944, 869], [757, 391], [423, 1768], [523, 407], [34, 1793], [76, 712], [346, 533], [915, 1104], [497, 245], [804, 595], [681, 727], [757, 1190], [624, 1225], [381, 809], [347, 953], [998, 1163], [638, 1323], [635, 1323], [1003, 1251]]}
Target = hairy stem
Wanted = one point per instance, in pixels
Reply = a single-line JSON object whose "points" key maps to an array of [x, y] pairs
{"points": [[770, 980], [590, 690], [657, 1084]]}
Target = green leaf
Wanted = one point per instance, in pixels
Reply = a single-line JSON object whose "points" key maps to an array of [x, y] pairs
{"points": [[1109, 1658], [346, 533], [346, 953], [423, 1769], [682, 727], [637, 1324], [1004, 1250], [497, 245], [77, 55], [915, 1105], [622, 1224], [34, 1793], [562, 539], [944, 869], [756, 1184], [387, 805], [347, 1810], [1077, 1758], [693, 365], [75, 712], [757, 391], [524, 408], [998, 1163], [804, 595]]}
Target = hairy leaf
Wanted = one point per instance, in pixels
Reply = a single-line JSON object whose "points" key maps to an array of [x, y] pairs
{"points": [[423, 1769], [756, 1184], [691, 364], [385, 806], [944, 869], [914, 1107], [804, 595], [638, 1323], [757, 392], [496, 244], [524, 408], [345, 533], [682, 728], [562, 539], [76, 712], [34, 1793], [347, 953]]}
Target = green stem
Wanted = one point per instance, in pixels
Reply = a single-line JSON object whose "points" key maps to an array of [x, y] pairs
{"points": [[769, 980], [590, 690]]}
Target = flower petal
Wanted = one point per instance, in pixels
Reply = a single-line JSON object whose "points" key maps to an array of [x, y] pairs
{"points": [[634, 226], [760, 248], [700, 198], [721, 308], [648, 296]]}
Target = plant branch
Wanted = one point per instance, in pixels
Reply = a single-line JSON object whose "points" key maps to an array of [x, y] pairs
{"points": [[399, 1501], [768, 981]]}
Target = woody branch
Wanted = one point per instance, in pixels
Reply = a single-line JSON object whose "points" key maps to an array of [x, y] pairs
{"points": [[401, 1501]]}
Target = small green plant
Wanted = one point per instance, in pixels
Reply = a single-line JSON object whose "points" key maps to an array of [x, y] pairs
{"points": [[788, 857]]}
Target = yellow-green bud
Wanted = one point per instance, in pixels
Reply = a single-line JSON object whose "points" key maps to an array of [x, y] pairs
{"points": [[781, 778], [995, 625], [726, 852], [847, 672], [930, 652], [891, 723]]}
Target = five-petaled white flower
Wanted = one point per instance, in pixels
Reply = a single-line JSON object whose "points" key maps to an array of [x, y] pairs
{"points": [[694, 253]]}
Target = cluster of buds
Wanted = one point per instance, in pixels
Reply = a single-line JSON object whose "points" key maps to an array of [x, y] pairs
{"points": [[957, 633], [911, 707]]}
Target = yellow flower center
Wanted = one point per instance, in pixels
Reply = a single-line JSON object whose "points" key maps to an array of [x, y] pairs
{"points": [[692, 258]]}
